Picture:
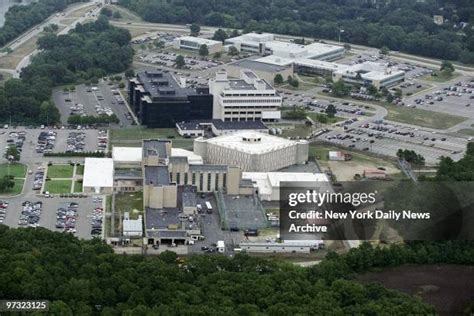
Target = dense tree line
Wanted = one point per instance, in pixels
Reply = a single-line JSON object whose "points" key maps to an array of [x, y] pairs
{"points": [[89, 52], [398, 25], [462, 170], [20, 18], [86, 277]]}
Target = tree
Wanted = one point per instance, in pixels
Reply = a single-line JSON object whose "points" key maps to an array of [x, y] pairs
{"points": [[12, 153], [278, 79], [6, 183], [447, 68], [195, 29], [339, 89], [116, 15], [233, 51], [372, 90], [217, 55], [121, 85], [347, 46], [294, 83], [180, 63], [106, 11], [220, 35], [331, 110], [203, 50], [159, 44], [384, 50], [129, 73]]}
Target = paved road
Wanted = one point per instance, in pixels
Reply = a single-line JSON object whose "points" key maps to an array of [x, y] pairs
{"points": [[53, 19]]}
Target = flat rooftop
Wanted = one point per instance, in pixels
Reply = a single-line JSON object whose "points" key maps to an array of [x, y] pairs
{"points": [[98, 172], [127, 154], [155, 147], [199, 40], [157, 175], [252, 142], [260, 66], [162, 85]]}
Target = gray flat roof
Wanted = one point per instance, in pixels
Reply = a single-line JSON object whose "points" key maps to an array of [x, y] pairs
{"points": [[155, 147], [162, 84], [127, 174], [255, 65], [188, 199], [207, 168], [157, 175]]}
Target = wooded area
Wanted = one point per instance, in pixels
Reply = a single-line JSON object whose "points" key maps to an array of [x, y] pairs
{"points": [[399, 25]]}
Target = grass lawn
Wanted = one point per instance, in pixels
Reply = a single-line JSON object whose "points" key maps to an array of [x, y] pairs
{"points": [[80, 170], [466, 131], [301, 130], [133, 136], [60, 171], [321, 153], [332, 120], [440, 77], [17, 170], [422, 117], [58, 186], [127, 202], [77, 186], [17, 188]]}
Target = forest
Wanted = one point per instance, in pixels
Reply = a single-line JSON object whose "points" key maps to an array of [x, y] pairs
{"points": [[399, 25], [20, 18], [86, 277], [89, 52]]}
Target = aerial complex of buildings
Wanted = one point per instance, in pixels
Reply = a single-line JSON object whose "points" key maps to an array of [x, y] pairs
{"points": [[243, 92], [172, 180]]}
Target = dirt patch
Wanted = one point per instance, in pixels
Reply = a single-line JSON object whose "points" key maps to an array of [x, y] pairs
{"points": [[448, 287], [346, 170]]}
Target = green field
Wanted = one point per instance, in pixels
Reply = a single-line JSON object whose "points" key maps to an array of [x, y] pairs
{"points": [[17, 170], [127, 202], [133, 136], [60, 171], [17, 188], [421, 117], [80, 170], [466, 131], [58, 186], [321, 153], [77, 186], [440, 77]]}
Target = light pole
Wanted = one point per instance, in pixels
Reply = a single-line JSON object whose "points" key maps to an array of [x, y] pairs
{"points": [[340, 32]]}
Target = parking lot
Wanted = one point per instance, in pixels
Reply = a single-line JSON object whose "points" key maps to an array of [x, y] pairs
{"points": [[37, 211], [92, 101], [386, 138], [453, 98], [168, 59]]}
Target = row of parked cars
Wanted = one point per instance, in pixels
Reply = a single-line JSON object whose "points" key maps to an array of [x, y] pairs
{"points": [[3, 210], [31, 214], [66, 217], [16, 139], [96, 224], [102, 140], [38, 179], [46, 142], [76, 141]]}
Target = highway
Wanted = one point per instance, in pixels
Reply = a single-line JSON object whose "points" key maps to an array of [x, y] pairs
{"points": [[36, 30]]}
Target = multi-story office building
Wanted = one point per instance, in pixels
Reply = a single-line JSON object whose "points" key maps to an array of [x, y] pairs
{"points": [[159, 100], [366, 73], [195, 43], [246, 99], [252, 151]]}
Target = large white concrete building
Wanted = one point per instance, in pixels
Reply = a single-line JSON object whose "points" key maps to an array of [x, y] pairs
{"points": [[267, 184], [377, 74], [246, 99], [195, 43], [265, 44], [98, 175], [252, 151]]}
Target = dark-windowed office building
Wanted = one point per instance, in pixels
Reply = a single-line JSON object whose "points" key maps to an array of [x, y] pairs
{"points": [[159, 101]]}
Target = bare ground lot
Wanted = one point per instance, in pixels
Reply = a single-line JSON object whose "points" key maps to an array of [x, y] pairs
{"points": [[449, 287]]}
